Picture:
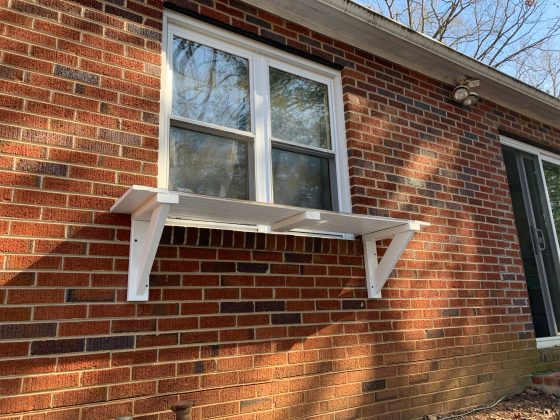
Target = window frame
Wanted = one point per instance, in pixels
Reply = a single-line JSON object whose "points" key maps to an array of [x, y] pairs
{"points": [[550, 157], [259, 140]]}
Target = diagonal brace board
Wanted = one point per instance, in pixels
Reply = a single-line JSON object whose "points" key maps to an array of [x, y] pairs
{"points": [[377, 273], [148, 221]]}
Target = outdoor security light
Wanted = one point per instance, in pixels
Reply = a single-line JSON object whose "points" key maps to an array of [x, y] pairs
{"points": [[462, 92], [471, 100]]}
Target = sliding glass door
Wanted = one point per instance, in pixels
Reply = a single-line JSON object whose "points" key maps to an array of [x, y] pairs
{"points": [[535, 193]]}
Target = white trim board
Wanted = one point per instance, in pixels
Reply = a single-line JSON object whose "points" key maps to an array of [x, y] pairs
{"points": [[548, 342]]}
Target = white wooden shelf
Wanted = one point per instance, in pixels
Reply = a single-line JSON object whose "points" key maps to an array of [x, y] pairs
{"points": [[152, 208]]}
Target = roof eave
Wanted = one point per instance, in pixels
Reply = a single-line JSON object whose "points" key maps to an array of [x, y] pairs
{"points": [[369, 31]]}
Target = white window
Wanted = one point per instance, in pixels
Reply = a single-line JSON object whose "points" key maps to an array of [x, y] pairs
{"points": [[245, 121]]}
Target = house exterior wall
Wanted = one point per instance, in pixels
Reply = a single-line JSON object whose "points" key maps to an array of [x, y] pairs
{"points": [[246, 325]]}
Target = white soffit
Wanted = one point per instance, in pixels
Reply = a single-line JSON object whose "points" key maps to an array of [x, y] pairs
{"points": [[355, 25]]}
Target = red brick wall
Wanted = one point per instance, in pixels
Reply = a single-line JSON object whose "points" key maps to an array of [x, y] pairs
{"points": [[248, 326]]}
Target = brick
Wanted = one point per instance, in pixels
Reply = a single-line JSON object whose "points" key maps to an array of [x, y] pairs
{"points": [[252, 267], [10, 314], [108, 411], [143, 32], [15, 246], [24, 403], [83, 328], [57, 346], [25, 366], [78, 75], [105, 376], [122, 13], [23, 119], [27, 63], [11, 102], [109, 343], [32, 9], [26, 150], [50, 382], [81, 24], [83, 362], [217, 267], [60, 247], [120, 326], [270, 306], [15, 350], [90, 295], [33, 295], [9, 133], [375, 385], [237, 307], [24, 90], [53, 55], [16, 18], [10, 386], [102, 43], [120, 137], [79, 49], [45, 168], [80, 396], [43, 137], [132, 390], [59, 312], [184, 384], [297, 258], [39, 198], [54, 29], [66, 185], [157, 340], [37, 229], [288, 318], [11, 331], [10, 73]]}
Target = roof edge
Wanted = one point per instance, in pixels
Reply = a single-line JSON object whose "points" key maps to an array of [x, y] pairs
{"points": [[359, 26]]}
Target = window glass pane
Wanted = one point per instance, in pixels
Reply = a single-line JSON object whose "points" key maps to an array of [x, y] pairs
{"points": [[210, 85], [552, 176], [299, 109], [206, 164], [301, 180]]}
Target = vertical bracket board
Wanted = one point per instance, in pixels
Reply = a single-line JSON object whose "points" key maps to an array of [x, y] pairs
{"points": [[377, 273], [147, 223]]}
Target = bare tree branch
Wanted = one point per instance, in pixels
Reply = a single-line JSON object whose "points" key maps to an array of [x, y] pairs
{"points": [[500, 33]]}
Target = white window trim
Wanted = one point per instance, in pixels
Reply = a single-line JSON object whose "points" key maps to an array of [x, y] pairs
{"points": [[548, 342], [260, 57]]}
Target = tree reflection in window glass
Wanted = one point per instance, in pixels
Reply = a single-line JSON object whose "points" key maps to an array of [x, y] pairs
{"points": [[210, 85], [301, 180], [552, 176], [206, 164], [300, 109]]}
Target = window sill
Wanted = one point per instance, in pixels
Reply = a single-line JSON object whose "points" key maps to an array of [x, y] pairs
{"points": [[548, 342], [151, 209]]}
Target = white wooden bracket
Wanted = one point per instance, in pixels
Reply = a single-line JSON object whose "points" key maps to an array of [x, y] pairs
{"points": [[147, 223], [299, 220], [151, 207], [378, 272]]}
